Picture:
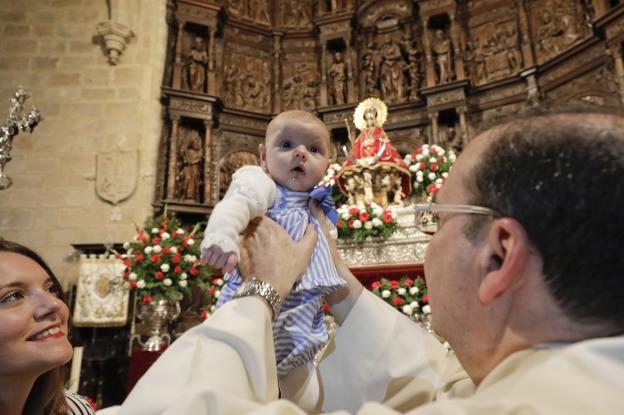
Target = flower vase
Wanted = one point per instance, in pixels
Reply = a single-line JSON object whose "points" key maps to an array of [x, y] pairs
{"points": [[156, 318]]}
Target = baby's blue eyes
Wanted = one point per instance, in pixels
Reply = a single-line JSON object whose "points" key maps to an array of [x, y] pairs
{"points": [[288, 145], [314, 149]]}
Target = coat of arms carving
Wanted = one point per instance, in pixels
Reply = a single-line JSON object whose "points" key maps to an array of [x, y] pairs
{"points": [[116, 174]]}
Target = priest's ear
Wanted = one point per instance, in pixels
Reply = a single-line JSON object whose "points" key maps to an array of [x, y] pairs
{"points": [[504, 258]]}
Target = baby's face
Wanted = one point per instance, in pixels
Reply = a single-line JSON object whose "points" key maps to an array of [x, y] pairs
{"points": [[296, 154]]}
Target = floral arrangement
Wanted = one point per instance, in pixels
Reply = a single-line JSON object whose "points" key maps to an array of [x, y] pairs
{"points": [[407, 295], [330, 180], [358, 223], [430, 165], [163, 261]]}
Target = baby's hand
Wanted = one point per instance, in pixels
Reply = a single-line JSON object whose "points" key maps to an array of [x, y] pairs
{"points": [[216, 258]]}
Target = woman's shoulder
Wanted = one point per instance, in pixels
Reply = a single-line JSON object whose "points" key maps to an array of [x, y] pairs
{"points": [[77, 404]]}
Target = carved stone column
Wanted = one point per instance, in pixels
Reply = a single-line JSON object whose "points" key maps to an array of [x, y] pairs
{"points": [[211, 78], [433, 122], [324, 95], [208, 163], [457, 52], [527, 50], [463, 127], [429, 71], [177, 70], [277, 73], [173, 157], [533, 93], [616, 54]]}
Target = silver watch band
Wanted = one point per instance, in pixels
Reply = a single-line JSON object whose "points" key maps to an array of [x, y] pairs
{"points": [[262, 289]]}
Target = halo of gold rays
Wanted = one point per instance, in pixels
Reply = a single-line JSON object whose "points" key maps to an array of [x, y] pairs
{"points": [[360, 110]]}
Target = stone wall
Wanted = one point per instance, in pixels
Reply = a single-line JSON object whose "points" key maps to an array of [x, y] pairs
{"points": [[89, 106]]}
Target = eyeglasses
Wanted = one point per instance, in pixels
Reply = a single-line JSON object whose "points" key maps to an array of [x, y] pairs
{"points": [[427, 215]]}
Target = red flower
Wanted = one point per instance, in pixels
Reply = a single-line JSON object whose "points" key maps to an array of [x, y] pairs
{"points": [[176, 259], [163, 224], [125, 275], [364, 216], [159, 276], [165, 250], [193, 271], [211, 291], [442, 159], [339, 223], [394, 284], [408, 282], [433, 167], [387, 217], [204, 314], [147, 299], [326, 308], [375, 284], [133, 284], [155, 241], [432, 188], [155, 259], [398, 301], [354, 211], [127, 263], [421, 166], [426, 299], [419, 150], [139, 258], [177, 269], [350, 223]]}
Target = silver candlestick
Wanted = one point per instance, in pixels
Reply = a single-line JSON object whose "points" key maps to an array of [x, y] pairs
{"points": [[15, 124]]}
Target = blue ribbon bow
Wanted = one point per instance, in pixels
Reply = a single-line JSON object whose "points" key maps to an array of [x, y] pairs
{"points": [[322, 195]]}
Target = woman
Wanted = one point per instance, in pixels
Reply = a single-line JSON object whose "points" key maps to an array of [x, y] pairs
{"points": [[33, 337]]}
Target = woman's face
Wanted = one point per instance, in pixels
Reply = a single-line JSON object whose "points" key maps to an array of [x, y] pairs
{"points": [[33, 320]]}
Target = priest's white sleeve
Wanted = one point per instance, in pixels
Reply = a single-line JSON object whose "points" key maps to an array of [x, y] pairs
{"points": [[250, 195]]}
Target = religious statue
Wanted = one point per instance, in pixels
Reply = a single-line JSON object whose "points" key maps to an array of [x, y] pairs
{"points": [[373, 155], [259, 11], [189, 178], [370, 70], [392, 78], [338, 80], [442, 50], [195, 66]]}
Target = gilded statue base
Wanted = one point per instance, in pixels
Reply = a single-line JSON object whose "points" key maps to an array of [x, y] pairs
{"points": [[406, 246]]}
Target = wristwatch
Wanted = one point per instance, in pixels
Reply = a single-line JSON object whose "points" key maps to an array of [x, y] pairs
{"points": [[262, 289]]}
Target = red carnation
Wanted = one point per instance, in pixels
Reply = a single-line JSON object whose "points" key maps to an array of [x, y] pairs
{"points": [[139, 258], [125, 275], [193, 271], [350, 223], [159, 276], [155, 241], [339, 223], [432, 188], [165, 250], [155, 259], [421, 166], [354, 211], [398, 301], [127, 263], [442, 159], [433, 167], [364, 216], [147, 299], [408, 282], [177, 269], [163, 224], [133, 284], [426, 299], [419, 150], [394, 284], [375, 284], [211, 291], [204, 314], [387, 217], [176, 259], [326, 308]]}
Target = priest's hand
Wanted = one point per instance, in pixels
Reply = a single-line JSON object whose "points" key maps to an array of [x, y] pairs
{"points": [[269, 254]]}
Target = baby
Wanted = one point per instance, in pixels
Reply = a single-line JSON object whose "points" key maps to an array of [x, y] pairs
{"points": [[293, 159]]}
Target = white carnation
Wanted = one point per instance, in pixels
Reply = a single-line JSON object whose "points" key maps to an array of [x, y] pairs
{"points": [[191, 242], [173, 250], [148, 250], [167, 282], [445, 175], [385, 293], [165, 235], [419, 157], [346, 216], [414, 304], [188, 258], [431, 176], [219, 282], [132, 276], [426, 309], [433, 160], [408, 310], [414, 290], [155, 230], [180, 231], [368, 225], [165, 268], [413, 168], [357, 224], [126, 245], [157, 249], [182, 283], [140, 284], [217, 293], [401, 291], [419, 179], [377, 222], [183, 276], [452, 157]]}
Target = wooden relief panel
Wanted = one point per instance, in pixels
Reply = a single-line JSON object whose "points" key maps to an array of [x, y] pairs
{"points": [[247, 81]]}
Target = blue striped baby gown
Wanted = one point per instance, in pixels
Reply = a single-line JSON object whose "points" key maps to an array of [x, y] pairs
{"points": [[299, 330]]}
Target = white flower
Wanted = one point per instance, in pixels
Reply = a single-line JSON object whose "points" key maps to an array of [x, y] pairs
{"points": [[439, 180], [167, 282], [126, 245], [188, 258], [183, 276], [180, 231], [155, 230], [419, 173], [330, 172], [212, 308], [414, 304], [368, 225], [217, 293], [135, 238], [165, 235], [419, 157], [357, 224], [157, 249], [425, 152], [336, 166], [426, 309], [165, 268], [182, 283], [191, 242], [148, 250], [431, 176], [401, 291], [130, 251], [132, 276], [346, 215], [419, 179], [407, 158], [445, 175], [414, 290], [385, 293], [413, 168], [452, 157], [173, 250], [408, 310], [433, 160], [140, 284], [377, 222], [219, 282], [441, 152]]}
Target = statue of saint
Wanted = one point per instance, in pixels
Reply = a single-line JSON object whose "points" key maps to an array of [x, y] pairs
{"points": [[442, 50], [195, 66], [392, 78], [338, 80], [189, 178]]}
